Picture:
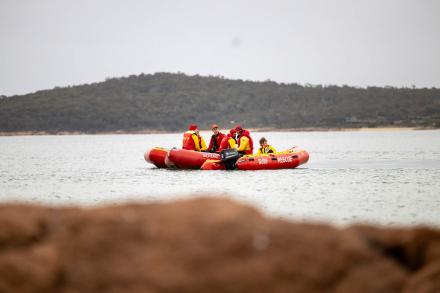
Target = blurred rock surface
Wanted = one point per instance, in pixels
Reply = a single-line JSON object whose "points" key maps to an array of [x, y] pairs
{"points": [[205, 245]]}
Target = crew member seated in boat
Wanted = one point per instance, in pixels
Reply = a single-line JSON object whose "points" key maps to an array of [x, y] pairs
{"points": [[216, 139], [265, 148], [228, 141], [244, 141], [192, 140]]}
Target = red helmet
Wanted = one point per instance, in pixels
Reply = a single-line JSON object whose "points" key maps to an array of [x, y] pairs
{"points": [[238, 128], [192, 127], [232, 131]]}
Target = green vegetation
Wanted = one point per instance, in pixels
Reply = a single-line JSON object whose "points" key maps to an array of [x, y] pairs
{"points": [[169, 102]]}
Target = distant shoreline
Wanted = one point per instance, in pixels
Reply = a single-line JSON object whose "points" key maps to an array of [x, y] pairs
{"points": [[300, 129]]}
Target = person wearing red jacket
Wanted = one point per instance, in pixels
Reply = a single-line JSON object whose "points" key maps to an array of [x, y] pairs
{"points": [[228, 141], [244, 141], [216, 139], [192, 140]]}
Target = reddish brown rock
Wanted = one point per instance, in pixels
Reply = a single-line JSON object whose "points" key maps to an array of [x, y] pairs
{"points": [[205, 245]]}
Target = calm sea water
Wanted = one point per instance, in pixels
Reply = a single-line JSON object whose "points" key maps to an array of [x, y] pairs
{"points": [[391, 178]]}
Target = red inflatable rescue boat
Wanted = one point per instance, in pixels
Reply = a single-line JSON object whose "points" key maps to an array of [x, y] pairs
{"points": [[287, 159]]}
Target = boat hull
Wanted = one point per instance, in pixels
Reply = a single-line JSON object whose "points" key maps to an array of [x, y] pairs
{"points": [[288, 159], [186, 159]]}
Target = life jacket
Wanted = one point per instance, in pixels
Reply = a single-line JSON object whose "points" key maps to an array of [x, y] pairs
{"points": [[216, 140], [249, 147], [192, 141], [188, 141], [266, 150], [228, 142]]}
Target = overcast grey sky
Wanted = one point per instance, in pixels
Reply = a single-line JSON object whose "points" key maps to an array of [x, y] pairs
{"points": [[48, 43]]}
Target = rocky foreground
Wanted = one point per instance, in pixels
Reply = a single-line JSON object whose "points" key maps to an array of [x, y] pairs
{"points": [[205, 245]]}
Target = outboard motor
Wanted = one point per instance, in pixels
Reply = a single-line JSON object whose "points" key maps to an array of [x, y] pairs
{"points": [[229, 157]]}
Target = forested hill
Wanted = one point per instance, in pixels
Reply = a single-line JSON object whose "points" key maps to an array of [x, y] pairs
{"points": [[169, 102]]}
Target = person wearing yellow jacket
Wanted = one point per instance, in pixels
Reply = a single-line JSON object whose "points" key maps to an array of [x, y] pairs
{"points": [[244, 141], [265, 148], [192, 140]]}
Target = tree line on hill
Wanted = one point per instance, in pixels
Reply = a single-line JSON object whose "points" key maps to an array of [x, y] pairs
{"points": [[169, 102]]}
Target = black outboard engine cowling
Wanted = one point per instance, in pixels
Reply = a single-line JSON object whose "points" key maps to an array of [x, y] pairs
{"points": [[229, 157], [229, 154]]}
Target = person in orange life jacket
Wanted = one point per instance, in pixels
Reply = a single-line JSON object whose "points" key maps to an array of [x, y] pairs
{"points": [[228, 141], [216, 139], [244, 141], [192, 140], [265, 148]]}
